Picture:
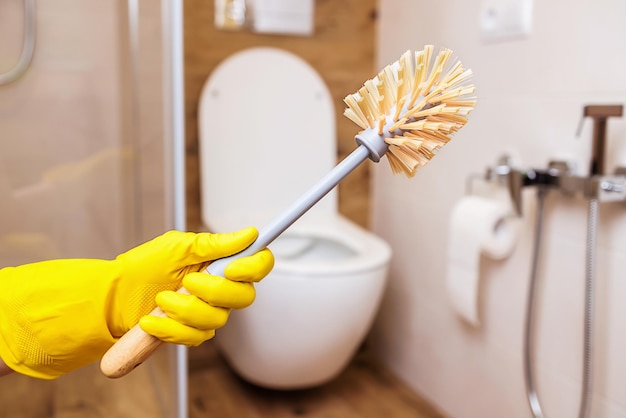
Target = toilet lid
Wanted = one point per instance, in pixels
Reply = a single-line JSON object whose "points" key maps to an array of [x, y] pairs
{"points": [[267, 134]]}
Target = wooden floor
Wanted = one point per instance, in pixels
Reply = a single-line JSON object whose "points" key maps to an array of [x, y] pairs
{"points": [[363, 390]]}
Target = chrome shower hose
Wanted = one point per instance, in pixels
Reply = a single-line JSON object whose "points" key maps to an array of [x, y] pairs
{"points": [[531, 391]]}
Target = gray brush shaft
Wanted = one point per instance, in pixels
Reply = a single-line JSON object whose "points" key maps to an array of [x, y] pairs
{"points": [[277, 226]]}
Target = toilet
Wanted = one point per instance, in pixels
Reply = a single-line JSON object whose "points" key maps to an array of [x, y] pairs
{"points": [[267, 134]]}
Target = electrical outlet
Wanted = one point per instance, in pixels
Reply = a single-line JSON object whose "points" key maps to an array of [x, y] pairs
{"points": [[502, 20]]}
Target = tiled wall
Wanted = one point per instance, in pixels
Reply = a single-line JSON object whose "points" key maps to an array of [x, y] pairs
{"points": [[531, 94]]}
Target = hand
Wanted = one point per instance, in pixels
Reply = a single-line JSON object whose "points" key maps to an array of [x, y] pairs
{"points": [[192, 319], [59, 315]]}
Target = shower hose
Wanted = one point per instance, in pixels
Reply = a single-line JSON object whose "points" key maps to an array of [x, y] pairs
{"points": [[592, 223]]}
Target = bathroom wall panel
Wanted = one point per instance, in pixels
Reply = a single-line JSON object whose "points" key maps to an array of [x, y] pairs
{"points": [[531, 94], [341, 50]]}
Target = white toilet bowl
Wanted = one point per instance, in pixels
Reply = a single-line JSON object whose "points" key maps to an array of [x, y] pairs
{"points": [[267, 133], [313, 310]]}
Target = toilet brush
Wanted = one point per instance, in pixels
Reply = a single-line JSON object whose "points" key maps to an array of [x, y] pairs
{"points": [[408, 112]]}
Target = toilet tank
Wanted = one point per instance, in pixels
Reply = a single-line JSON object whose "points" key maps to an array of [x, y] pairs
{"points": [[266, 134]]}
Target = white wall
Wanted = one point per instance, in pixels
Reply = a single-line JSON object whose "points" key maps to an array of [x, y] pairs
{"points": [[531, 94]]}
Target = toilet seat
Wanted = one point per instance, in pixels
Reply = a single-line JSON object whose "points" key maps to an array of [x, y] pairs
{"points": [[328, 247]]}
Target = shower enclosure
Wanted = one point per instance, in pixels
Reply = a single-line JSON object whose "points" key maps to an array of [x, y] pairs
{"points": [[91, 155]]}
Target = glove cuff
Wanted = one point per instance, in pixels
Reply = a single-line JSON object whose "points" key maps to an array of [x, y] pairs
{"points": [[53, 315]]}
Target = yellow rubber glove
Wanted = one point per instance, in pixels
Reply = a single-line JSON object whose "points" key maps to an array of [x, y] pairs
{"points": [[59, 315]]}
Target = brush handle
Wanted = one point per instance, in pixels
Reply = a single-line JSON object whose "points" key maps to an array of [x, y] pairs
{"points": [[278, 225], [134, 347]]}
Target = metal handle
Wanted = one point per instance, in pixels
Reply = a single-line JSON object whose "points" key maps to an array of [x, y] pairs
{"points": [[28, 46]]}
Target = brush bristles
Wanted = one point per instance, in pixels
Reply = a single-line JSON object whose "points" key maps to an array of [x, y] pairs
{"points": [[417, 103]]}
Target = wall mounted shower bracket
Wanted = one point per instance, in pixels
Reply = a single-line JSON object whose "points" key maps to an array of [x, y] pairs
{"points": [[599, 185], [559, 177], [559, 174]]}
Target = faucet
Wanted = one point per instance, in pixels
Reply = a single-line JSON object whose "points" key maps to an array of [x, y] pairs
{"points": [[514, 178], [598, 184], [559, 174]]}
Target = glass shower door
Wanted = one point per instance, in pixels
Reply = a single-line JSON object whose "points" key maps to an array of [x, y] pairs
{"points": [[85, 165]]}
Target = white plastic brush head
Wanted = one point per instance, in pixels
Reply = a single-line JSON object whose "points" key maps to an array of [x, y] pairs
{"points": [[412, 108]]}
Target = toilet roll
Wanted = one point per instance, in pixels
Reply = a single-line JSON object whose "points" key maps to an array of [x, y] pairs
{"points": [[478, 226]]}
